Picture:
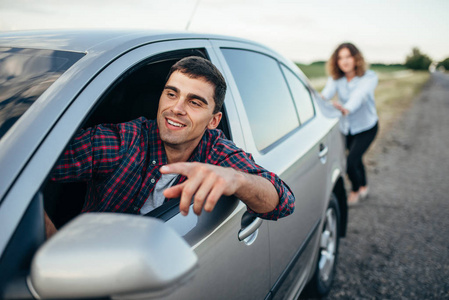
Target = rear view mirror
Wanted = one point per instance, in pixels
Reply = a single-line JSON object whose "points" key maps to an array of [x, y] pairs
{"points": [[111, 255]]}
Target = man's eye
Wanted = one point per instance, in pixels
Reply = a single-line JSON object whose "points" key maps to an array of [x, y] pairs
{"points": [[171, 95], [195, 103]]}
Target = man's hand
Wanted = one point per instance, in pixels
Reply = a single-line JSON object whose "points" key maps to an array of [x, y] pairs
{"points": [[50, 228], [207, 183]]}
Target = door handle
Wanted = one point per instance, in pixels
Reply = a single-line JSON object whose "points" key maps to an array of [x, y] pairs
{"points": [[250, 229], [324, 150]]}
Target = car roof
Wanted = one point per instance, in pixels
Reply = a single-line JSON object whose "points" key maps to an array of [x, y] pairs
{"points": [[97, 40]]}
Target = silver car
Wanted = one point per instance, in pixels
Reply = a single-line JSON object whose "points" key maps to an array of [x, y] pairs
{"points": [[54, 82]]}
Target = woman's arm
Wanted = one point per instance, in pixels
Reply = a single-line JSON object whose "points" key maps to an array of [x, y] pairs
{"points": [[329, 90], [364, 88]]}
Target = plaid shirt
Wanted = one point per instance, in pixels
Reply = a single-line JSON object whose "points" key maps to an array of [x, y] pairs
{"points": [[121, 164]]}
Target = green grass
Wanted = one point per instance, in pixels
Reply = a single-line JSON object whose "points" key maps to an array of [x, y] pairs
{"points": [[318, 69], [379, 68], [394, 95], [314, 70]]}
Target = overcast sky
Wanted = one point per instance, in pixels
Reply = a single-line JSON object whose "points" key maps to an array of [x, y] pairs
{"points": [[304, 31]]}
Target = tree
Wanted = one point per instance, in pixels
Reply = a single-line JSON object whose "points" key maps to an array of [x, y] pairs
{"points": [[444, 64], [417, 60]]}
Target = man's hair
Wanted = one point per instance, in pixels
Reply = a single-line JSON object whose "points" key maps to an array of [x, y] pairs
{"points": [[198, 67], [332, 65]]}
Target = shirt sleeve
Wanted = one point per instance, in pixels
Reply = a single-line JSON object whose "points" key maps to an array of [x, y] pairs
{"points": [[93, 152], [329, 89], [244, 162], [286, 204], [364, 88]]}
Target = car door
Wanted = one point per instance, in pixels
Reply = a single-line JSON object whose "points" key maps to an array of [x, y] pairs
{"points": [[285, 136], [229, 267]]}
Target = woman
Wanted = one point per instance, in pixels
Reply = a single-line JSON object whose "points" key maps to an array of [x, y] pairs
{"points": [[355, 88]]}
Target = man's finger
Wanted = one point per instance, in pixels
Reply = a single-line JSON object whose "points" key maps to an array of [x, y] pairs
{"points": [[202, 194], [174, 191], [213, 198], [178, 168], [191, 186]]}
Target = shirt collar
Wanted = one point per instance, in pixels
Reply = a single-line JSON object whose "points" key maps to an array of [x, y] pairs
{"points": [[157, 151]]}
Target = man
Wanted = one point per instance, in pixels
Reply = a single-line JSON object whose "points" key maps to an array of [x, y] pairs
{"points": [[133, 167]]}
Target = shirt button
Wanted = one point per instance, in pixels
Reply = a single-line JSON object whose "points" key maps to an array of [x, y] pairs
{"points": [[152, 180], [153, 162], [135, 208]]}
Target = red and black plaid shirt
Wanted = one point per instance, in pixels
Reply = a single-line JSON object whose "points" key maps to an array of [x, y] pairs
{"points": [[121, 164]]}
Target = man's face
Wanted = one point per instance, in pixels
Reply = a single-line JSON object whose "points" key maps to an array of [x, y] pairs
{"points": [[186, 111]]}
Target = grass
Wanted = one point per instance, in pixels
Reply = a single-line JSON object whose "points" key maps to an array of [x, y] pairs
{"points": [[318, 69], [394, 94], [378, 68], [314, 70]]}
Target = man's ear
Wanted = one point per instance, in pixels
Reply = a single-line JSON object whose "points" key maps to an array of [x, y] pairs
{"points": [[216, 118]]}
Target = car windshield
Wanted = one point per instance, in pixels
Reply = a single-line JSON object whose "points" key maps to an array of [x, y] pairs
{"points": [[24, 75]]}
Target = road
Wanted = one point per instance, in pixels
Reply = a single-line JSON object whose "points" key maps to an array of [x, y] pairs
{"points": [[397, 244]]}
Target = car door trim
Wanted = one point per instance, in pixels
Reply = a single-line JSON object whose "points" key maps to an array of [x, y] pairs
{"points": [[293, 261]]}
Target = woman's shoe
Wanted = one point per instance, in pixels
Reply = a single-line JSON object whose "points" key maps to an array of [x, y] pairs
{"points": [[363, 192]]}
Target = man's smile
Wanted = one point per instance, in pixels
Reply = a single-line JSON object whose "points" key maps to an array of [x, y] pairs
{"points": [[176, 124]]}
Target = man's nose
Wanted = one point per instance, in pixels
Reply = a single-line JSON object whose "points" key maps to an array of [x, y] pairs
{"points": [[179, 106]]}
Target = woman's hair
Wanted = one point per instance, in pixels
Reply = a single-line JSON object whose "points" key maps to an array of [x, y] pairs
{"points": [[332, 64]]}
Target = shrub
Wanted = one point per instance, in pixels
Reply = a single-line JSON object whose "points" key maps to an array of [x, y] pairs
{"points": [[444, 64], [417, 60]]}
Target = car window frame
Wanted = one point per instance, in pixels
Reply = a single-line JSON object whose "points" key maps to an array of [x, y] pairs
{"points": [[306, 87], [245, 126], [279, 140]]}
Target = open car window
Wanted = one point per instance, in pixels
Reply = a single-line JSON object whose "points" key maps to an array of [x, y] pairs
{"points": [[133, 95]]}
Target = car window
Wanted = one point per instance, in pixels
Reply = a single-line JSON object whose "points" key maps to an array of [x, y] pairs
{"points": [[24, 75], [134, 94], [301, 95], [265, 95]]}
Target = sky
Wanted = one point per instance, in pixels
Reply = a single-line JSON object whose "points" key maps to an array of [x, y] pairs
{"points": [[303, 31]]}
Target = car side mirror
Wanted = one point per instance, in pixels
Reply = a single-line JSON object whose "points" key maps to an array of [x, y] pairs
{"points": [[111, 255]]}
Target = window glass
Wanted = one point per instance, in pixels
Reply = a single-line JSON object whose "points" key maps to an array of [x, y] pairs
{"points": [[301, 96], [24, 75], [265, 95]]}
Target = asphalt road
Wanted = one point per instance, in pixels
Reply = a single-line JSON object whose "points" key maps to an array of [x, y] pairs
{"points": [[397, 244]]}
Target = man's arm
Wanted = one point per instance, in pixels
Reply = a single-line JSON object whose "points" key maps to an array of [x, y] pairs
{"points": [[50, 228], [93, 151], [207, 183]]}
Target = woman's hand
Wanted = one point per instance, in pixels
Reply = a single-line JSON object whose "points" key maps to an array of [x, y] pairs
{"points": [[340, 107]]}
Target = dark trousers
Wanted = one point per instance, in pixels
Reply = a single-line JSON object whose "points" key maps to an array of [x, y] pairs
{"points": [[357, 145]]}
